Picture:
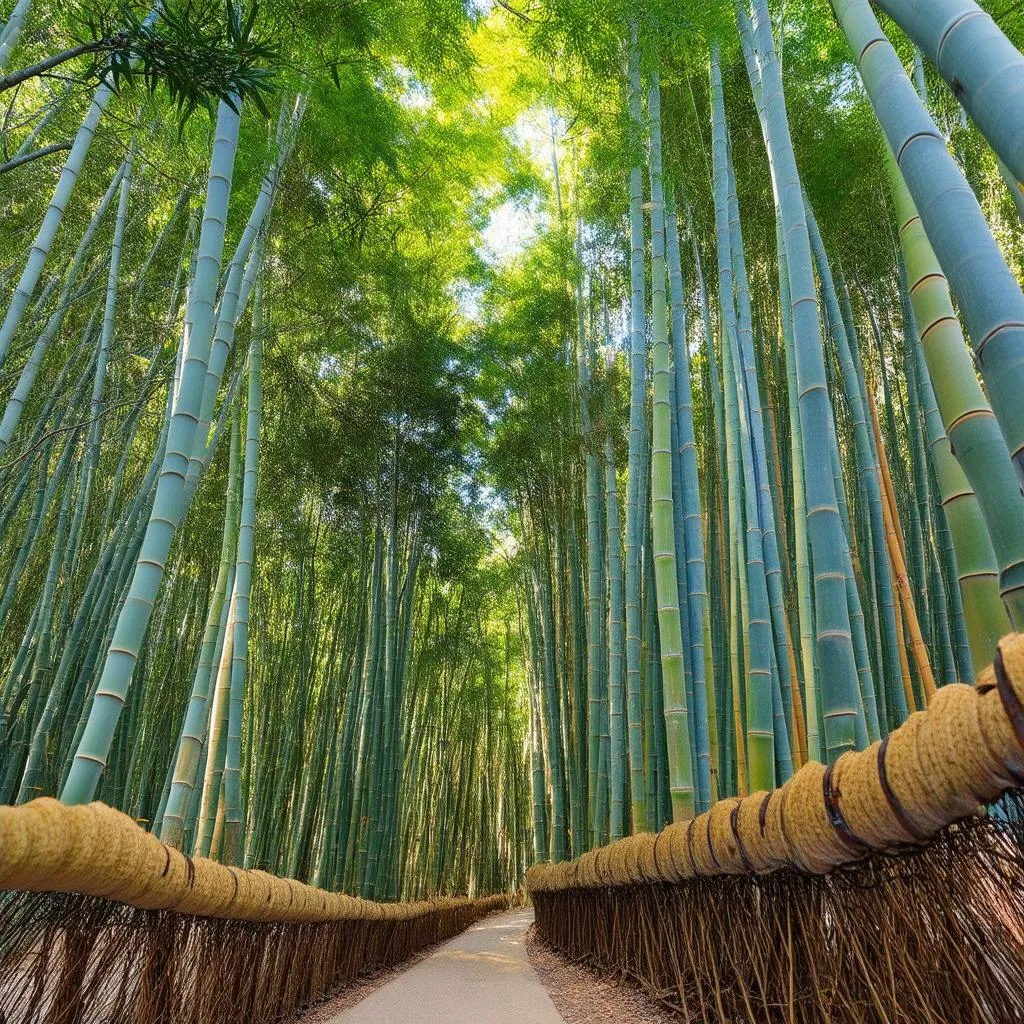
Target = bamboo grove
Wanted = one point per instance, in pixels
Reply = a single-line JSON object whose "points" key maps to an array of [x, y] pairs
{"points": [[774, 501], [247, 597], [440, 438]]}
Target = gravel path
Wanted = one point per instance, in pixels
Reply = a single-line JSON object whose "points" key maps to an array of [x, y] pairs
{"points": [[482, 976]]}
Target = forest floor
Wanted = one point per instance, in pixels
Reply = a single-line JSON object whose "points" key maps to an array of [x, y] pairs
{"points": [[583, 996], [496, 972]]}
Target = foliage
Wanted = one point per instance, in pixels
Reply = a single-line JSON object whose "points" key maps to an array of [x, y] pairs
{"points": [[199, 50]]}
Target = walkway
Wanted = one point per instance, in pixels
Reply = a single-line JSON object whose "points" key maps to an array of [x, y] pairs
{"points": [[480, 977]]}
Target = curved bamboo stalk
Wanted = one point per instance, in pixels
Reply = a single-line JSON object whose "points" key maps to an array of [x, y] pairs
{"points": [[981, 66], [989, 295], [966, 414]]}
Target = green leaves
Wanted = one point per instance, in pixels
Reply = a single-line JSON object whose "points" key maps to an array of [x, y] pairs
{"points": [[200, 51]]}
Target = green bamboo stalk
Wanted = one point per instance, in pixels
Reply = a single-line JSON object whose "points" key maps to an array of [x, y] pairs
{"points": [[16, 403], [973, 432], [572, 618], [757, 627], [834, 646], [1013, 186], [739, 613], [716, 626], [239, 278], [43, 241], [12, 29], [751, 408], [597, 682], [693, 518], [634, 507], [867, 466], [975, 562], [676, 712], [168, 510], [617, 772], [982, 67], [41, 678], [234, 824], [989, 296], [32, 781], [219, 709]]}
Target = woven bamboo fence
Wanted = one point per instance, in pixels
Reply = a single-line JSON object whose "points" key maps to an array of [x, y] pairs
{"points": [[883, 888], [102, 923]]}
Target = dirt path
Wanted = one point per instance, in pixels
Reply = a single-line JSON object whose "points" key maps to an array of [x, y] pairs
{"points": [[482, 976]]}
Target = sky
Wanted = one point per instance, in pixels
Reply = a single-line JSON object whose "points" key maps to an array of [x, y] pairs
{"points": [[513, 225], [511, 228]]}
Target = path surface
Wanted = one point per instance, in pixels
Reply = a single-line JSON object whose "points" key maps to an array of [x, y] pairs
{"points": [[482, 976]]}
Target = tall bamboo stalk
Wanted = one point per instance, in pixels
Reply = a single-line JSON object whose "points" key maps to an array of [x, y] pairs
{"points": [[835, 657], [91, 757], [676, 711], [634, 507]]}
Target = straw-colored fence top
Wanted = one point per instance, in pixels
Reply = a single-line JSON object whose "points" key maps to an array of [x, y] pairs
{"points": [[940, 766], [96, 850]]}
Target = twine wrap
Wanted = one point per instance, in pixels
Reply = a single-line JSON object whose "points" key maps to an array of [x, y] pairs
{"points": [[95, 850], [939, 767]]}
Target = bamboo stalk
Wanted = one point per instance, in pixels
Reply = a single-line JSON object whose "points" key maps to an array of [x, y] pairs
{"points": [[917, 645]]}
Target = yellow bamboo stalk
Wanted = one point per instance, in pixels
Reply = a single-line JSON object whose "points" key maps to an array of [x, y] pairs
{"points": [[917, 645], [709, 677], [798, 723], [888, 491], [742, 786], [901, 646]]}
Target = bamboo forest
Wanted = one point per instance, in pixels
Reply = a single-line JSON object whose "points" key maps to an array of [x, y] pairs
{"points": [[545, 477]]}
